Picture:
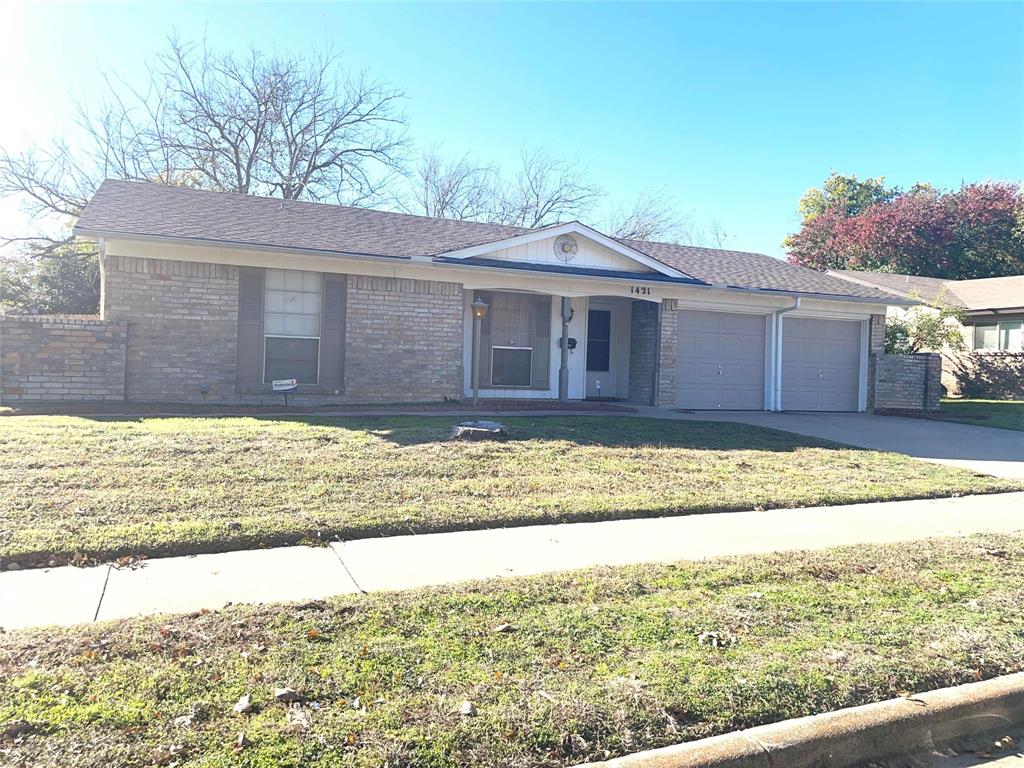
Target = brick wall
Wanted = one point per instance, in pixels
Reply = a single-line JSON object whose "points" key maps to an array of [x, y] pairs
{"points": [[182, 320], [403, 340], [643, 341], [908, 382], [61, 358], [667, 349]]}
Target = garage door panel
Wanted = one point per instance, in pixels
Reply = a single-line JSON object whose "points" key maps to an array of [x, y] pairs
{"points": [[820, 364], [720, 360]]}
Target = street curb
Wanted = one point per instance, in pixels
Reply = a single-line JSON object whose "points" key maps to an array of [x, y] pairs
{"points": [[846, 737]]}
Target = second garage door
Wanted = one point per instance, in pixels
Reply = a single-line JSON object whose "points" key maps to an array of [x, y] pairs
{"points": [[720, 360], [820, 364]]}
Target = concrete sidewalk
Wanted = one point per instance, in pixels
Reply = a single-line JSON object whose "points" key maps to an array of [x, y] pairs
{"points": [[178, 584]]}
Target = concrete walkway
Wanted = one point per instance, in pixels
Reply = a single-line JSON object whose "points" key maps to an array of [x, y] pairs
{"points": [[998, 452], [178, 584]]}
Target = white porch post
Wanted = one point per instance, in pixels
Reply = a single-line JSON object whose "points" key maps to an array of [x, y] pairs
{"points": [[563, 368]]}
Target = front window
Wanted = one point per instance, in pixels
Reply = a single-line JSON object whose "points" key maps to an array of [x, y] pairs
{"points": [[511, 327], [291, 326], [1005, 336]]}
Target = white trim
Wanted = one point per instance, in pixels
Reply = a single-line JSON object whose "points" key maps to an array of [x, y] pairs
{"points": [[471, 276], [572, 227], [862, 391]]}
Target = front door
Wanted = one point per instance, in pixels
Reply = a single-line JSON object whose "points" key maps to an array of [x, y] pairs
{"points": [[600, 372]]}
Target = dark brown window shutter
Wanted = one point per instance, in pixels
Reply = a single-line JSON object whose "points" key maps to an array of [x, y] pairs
{"points": [[542, 342], [332, 334], [250, 329]]}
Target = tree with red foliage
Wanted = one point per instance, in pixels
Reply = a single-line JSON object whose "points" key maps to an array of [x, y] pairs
{"points": [[975, 231]]}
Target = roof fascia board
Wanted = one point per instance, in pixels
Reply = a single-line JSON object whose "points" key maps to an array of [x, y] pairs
{"points": [[202, 242], [572, 227], [210, 243]]}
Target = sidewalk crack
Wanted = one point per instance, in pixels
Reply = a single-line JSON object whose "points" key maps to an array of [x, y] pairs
{"points": [[344, 565], [103, 592]]}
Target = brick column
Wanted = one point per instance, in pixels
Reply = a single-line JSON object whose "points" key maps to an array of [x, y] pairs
{"points": [[667, 346], [876, 347]]}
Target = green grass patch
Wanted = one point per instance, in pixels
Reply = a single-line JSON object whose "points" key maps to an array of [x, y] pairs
{"points": [[596, 663], [1001, 414], [159, 486]]}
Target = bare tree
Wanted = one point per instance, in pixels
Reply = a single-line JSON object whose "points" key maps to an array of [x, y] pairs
{"points": [[288, 126], [710, 235], [450, 188], [545, 190], [343, 141], [652, 216], [293, 127]]}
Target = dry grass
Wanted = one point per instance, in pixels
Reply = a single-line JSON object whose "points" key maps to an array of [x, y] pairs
{"points": [[597, 663], [157, 486]]}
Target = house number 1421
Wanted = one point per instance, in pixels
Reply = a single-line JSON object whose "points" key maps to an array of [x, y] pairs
{"points": [[639, 290]]}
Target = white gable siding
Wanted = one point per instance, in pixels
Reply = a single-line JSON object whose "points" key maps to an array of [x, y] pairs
{"points": [[590, 254]]}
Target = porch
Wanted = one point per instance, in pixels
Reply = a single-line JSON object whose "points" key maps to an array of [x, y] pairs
{"points": [[611, 349]]}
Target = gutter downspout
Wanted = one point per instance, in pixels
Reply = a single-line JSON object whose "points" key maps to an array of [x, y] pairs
{"points": [[777, 354]]}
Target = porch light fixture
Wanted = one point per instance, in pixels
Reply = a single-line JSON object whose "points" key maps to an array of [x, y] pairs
{"points": [[479, 307]]}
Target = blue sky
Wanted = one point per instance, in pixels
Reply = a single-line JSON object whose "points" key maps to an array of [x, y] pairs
{"points": [[734, 109]]}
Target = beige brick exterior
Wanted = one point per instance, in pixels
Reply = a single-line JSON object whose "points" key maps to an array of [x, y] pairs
{"points": [[182, 320], [61, 358], [403, 340], [667, 350], [643, 345], [908, 382]]}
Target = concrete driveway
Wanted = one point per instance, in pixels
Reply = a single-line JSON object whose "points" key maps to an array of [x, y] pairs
{"points": [[998, 452]]}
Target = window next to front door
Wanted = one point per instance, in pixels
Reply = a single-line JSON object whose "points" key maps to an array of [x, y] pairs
{"points": [[291, 325], [599, 340]]}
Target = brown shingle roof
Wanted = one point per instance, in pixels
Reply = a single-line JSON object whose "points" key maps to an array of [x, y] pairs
{"points": [[990, 292], [153, 210], [972, 295], [911, 286]]}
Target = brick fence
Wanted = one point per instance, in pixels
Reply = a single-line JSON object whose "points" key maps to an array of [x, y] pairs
{"points": [[61, 358], [907, 382]]}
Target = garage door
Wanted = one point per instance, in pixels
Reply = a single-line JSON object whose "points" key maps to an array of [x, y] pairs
{"points": [[720, 360], [820, 364]]}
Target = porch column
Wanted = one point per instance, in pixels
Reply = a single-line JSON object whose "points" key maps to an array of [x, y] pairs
{"points": [[563, 368]]}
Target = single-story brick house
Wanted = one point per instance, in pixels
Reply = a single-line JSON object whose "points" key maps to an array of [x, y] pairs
{"points": [[212, 296], [992, 326]]}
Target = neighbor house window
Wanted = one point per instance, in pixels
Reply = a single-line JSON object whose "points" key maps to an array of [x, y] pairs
{"points": [[1004, 336], [291, 326]]}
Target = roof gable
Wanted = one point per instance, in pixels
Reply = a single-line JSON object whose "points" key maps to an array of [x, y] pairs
{"points": [[594, 250]]}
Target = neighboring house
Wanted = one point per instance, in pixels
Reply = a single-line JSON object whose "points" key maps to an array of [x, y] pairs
{"points": [[992, 327], [209, 295]]}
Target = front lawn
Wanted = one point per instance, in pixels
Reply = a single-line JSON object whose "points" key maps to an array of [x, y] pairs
{"points": [[158, 486], [1002, 414], [557, 669]]}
